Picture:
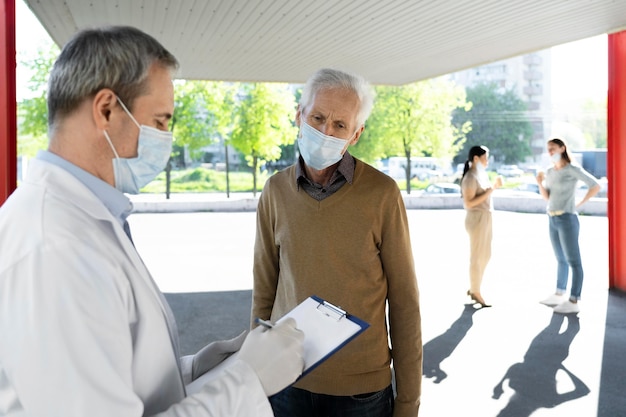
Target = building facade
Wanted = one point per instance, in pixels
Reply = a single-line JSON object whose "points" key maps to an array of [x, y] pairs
{"points": [[529, 76]]}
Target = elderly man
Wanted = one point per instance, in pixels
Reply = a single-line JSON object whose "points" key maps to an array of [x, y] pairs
{"points": [[85, 330], [333, 226]]}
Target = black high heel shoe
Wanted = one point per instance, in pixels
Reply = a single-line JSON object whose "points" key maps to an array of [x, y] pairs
{"points": [[478, 299]]}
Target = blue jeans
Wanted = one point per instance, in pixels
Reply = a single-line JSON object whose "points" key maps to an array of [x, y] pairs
{"points": [[564, 231], [295, 402]]}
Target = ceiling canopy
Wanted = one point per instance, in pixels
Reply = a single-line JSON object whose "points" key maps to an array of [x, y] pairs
{"points": [[386, 41]]}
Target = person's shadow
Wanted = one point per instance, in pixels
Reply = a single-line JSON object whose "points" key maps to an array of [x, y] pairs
{"points": [[442, 346], [534, 379]]}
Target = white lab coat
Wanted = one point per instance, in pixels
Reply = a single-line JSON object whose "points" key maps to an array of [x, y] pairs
{"points": [[82, 326]]}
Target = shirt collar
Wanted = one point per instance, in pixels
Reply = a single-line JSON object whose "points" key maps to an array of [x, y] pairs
{"points": [[346, 168], [114, 200]]}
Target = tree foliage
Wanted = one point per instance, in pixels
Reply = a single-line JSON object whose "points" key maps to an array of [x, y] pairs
{"points": [[203, 113], [499, 121], [33, 111], [288, 154], [263, 123], [413, 120]]}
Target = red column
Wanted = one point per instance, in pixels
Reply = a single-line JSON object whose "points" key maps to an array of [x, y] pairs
{"points": [[616, 160], [8, 118]]}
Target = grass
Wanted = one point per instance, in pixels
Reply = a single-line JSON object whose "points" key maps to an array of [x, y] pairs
{"points": [[204, 180]]}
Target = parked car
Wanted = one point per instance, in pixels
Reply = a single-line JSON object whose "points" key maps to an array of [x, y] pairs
{"points": [[509, 171], [529, 186], [422, 167], [525, 189], [442, 188]]}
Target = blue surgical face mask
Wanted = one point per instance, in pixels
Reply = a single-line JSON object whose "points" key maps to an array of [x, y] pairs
{"points": [[318, 150], [556, 157], [153, 151]]}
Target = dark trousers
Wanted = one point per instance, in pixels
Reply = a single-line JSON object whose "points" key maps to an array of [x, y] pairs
{"points": [[295, 402]]}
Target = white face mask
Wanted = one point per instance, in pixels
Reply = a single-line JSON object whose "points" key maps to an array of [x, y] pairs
{"points": [[153, 151], [556, 157], [480, 168], [318, 150]]}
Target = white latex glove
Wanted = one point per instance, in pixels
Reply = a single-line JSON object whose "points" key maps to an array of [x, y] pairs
{"points": [[214, 353], [275, 355]]}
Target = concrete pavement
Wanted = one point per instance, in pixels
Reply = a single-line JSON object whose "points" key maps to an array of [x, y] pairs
{"points": [[514, 359]]}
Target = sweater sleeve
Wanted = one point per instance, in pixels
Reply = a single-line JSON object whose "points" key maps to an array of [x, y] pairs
{"points": [[265, 269], [404, 311]]}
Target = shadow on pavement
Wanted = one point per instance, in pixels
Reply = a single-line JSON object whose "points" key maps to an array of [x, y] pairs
{"points": [[442, 346], [612, 401], [204, 317], [207, 316], [535, 379]]}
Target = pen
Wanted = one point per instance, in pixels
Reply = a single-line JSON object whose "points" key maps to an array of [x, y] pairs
{"points": [[265, 323]]}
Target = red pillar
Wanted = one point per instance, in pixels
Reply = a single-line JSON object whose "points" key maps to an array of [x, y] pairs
{"points": [[616, 160], [8, 113]]}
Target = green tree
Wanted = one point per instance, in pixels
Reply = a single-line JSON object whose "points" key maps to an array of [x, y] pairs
{"points": [[203, 113], [263, 123], [33, 111], [288, 153], [413, 120], [498, 121]]}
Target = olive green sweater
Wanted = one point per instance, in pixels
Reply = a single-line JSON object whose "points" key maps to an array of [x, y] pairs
{"points": [[352, 249]]}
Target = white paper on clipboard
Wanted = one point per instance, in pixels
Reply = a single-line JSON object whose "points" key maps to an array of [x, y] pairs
{"points": [[326, 329]]}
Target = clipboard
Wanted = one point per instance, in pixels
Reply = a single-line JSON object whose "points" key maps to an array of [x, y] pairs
{"points": [[326, 327]]}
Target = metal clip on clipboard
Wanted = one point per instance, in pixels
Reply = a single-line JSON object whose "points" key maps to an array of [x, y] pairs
{"points": [[331, 311]]}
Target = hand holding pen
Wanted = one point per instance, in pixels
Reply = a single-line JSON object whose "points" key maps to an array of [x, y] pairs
{"points": [[275, 356], [265, 323]]}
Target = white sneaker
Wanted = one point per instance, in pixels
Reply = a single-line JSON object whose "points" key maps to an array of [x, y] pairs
{"points": [[567, 307], [553, 300]]}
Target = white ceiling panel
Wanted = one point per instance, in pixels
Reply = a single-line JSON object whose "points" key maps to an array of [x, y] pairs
{"points": [[388, 42]]}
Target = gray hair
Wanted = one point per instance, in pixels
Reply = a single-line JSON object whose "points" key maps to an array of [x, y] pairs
{"points": [[331, 78], [115, 57]]}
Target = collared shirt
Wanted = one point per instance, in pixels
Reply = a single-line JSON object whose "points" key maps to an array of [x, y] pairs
{"points": [[114, 200], [343, 174]]}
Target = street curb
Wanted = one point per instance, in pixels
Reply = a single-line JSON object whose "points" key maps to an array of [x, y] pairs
{"points": [[159, 204], [171, 206]]}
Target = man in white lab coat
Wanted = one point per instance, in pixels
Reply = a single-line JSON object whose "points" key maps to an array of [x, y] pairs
{"points": [[84, 330]]}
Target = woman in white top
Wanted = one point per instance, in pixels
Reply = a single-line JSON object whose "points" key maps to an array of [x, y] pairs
{"points": [[558, 186], [476, 189]]}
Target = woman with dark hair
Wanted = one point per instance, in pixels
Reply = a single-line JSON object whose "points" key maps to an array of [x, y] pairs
{"points": [[476, 189], [558, 186]]}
